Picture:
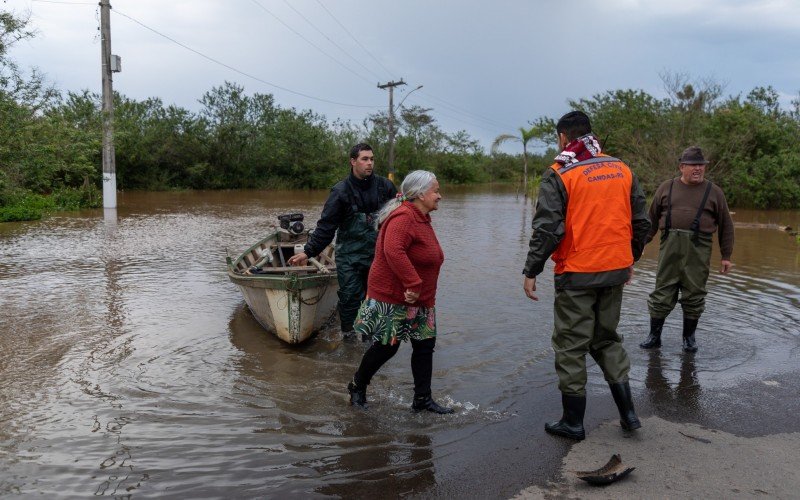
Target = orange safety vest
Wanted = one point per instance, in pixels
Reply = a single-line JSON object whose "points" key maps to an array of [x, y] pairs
{"points": [[598, 224]]}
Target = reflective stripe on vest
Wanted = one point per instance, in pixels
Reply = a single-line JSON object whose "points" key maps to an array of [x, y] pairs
{"points": [[598, 216]]}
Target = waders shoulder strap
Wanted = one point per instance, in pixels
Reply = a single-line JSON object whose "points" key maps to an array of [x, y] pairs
{"points": [[668, 218], [382, 193], [695, 227], [377, 189], [352, 192]]}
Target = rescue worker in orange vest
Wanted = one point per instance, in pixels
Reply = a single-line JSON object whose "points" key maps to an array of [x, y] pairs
{"points": [[591, 217]]}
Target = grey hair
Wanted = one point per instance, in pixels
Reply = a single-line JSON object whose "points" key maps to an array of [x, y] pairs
{"points": [[415, 184]]}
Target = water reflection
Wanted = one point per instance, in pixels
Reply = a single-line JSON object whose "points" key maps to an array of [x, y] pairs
{"points": [[116, 471], [403, 468], [129, 364], [302, 423], [682, 399]]}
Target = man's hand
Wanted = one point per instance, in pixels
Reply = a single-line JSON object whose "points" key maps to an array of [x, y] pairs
{"points": [[726, 266], [630, 276], [529, 285], [300, 259], [411, 297]]}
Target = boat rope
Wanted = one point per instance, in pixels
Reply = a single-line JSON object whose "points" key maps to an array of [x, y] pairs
{"points": [[316, 299], [292, 285]]}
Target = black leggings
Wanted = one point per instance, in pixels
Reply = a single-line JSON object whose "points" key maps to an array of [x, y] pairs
{"points": [[421, 364]]}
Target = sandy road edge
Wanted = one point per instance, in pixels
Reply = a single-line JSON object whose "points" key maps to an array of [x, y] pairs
{"points": [[676, 460]]}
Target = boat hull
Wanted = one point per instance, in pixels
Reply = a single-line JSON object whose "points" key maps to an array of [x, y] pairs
{"points": [[292, 303]]}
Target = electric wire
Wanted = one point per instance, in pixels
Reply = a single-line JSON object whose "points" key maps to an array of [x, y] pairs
{"points": [[236, 70], [469, 118], [350, 70], [482, 126], [355, 39], [441, 103], [472, 119], [331, 40], [459, 110], [65, 3], [437, 111]]}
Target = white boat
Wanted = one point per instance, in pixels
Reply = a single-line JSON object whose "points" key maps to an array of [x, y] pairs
{"points": [[293, 302]]}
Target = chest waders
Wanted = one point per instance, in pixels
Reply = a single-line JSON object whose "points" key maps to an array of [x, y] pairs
{"points": [[695, 226], [355, 249], [684, 258]]}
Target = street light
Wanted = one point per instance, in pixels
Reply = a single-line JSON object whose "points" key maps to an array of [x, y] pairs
{"points": [[406, 97]]}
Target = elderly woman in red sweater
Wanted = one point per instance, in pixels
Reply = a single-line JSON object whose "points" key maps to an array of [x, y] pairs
{"points": [[401, 290]]}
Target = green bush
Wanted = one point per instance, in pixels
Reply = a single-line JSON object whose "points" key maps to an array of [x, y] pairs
{"points": [[462, 169], [22, 205], [20, 213], [66, 199]]}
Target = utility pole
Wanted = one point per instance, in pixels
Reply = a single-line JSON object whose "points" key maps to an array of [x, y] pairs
{"points": [[391, 86], [109, 162]]}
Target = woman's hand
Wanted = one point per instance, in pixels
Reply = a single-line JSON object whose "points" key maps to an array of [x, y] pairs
{"points": [[411, 297]]}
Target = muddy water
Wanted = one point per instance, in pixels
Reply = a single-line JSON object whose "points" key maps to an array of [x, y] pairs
{"points": [[129, 365]]}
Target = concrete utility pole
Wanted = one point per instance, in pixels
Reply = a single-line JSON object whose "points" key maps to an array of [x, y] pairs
{"points": [[109, 163], [391, 86]]}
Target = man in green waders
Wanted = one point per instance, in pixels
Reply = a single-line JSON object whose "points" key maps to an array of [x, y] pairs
{"points": [[688, 210], [349, 215]]}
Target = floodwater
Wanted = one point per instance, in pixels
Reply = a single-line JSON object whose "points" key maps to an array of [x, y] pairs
{"points": [[130, 366]]}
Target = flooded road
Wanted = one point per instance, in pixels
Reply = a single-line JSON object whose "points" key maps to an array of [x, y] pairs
{"points": [[130, 366]]}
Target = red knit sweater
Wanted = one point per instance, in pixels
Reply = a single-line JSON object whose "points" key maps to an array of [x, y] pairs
{"points": [[407, 257]]}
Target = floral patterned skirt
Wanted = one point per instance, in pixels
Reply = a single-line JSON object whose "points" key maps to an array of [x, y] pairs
{"points": [[393, 323]]}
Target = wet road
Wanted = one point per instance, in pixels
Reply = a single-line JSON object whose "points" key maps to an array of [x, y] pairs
{"points": [[130, 366]]}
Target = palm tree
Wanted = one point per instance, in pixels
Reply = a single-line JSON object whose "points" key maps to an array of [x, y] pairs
{"points": [[525, 136]]}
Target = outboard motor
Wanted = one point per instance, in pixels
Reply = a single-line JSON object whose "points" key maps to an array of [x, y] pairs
{"points": [[292, 223]]}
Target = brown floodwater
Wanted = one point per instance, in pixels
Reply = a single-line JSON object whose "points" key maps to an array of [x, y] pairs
{"points": [[130, 366]]}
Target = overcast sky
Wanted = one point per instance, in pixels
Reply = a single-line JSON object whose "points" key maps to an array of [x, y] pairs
{"points": [[487, 67]]}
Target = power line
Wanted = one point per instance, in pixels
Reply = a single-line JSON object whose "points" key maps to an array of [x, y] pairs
{"points": [[493, 130], [354, 38], [435, 100], [437, 111], [65, 3], [442, 102], [228, 66], [312, 43], [330, 40], [465, 119], [459, 110]]}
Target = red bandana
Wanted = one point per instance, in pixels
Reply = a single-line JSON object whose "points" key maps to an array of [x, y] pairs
{"points": [[582, 148]]}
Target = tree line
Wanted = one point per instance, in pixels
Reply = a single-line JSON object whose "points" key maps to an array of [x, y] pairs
{"points": [[50, 141], [751, 140]]}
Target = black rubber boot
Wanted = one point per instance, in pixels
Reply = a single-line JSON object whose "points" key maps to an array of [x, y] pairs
{"points": [[427, 403], [622, 396], [571, 423], [654, 339], [358, 395], [422, 365], [371, 362], [689, 327]]}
